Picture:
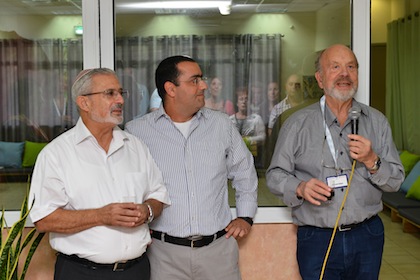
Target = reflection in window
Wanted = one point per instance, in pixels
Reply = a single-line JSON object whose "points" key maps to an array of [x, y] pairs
{"points": [[240, 60], [251, 48], [35, 83], [248, 49], [40, 55]]}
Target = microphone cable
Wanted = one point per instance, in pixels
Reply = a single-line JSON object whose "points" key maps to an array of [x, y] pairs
{"points": [[336, 222]]}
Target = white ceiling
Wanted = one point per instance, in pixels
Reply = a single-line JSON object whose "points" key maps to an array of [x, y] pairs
{"points": [[74, 7]]}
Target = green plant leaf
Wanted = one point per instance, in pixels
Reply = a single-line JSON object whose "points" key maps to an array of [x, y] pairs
{"points": [[31, 252], [12, 247]]}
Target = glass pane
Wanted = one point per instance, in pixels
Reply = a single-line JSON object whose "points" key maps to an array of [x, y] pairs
{"points": [[40, 55], [255, 48]]}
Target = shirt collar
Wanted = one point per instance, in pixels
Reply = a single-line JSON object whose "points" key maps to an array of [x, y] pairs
{"points": [[161, 113], [330, 117], [83, 133]]}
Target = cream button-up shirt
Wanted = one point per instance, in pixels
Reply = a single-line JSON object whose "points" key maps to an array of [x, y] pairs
{"points": [[73, 172]]}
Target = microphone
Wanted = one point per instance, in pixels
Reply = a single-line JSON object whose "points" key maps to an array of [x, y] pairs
{"points": [[354, 114]]}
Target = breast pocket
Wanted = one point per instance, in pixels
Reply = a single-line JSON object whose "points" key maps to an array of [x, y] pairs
{"points": [[135, 186], [211, 155]]}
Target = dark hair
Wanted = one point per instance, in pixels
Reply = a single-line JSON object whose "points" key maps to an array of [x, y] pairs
{"points": [[167, 71]]}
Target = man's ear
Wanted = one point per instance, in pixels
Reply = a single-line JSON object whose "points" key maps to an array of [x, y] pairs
{"points": [[170, 88], [318, 77], [82, 103]]}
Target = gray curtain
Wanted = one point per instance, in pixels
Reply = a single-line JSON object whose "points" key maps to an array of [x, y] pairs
{"points": [[35, 84], [36, 76], [239, 60]]}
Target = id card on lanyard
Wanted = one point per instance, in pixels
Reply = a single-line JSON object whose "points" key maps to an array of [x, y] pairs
{"points": [[338, 181]]}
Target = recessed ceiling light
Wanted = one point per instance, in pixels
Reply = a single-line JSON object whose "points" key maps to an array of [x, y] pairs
{"points": [[176, 4]]}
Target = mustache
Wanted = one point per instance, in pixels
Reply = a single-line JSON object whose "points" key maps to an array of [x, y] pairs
{"points": [[118, 106], [345, 79]]}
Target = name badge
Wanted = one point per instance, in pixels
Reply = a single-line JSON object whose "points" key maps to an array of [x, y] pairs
{"points": [[339, 181]]}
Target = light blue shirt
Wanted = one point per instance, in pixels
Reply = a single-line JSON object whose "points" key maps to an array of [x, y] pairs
{"points": [[155, 100], [196, 170]]}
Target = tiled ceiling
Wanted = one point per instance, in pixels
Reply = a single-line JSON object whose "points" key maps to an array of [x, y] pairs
{"points": [[74, 7]]}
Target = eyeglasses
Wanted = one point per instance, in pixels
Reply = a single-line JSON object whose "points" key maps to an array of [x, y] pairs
{"points": [[336, 168], [111, 93], [195, 81]]}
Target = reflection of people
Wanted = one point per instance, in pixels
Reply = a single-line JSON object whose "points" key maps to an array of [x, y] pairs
{"points": [[294, 97], [258, 104], [216, 100], [311, 170], [198, 150], [96, 187], [139, 95], [273, 95], [155, 101], [250, 126]]}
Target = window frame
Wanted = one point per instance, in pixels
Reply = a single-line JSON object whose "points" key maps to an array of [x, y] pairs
{"points": [[98, 51]]}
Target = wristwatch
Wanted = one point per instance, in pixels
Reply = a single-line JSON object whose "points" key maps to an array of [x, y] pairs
{"points": [[376, 165], [151, 215], [247, 219]]}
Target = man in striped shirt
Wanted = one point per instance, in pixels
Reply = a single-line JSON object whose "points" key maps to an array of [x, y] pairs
{"points": [[198, 151]]}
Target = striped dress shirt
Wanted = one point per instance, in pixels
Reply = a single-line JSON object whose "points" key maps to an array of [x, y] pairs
{"points": [[196, 170]]}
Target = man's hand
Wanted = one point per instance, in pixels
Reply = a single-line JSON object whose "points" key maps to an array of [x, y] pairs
{"points": [[127, 214], [361, 150], [314, 191], [237, 228]]}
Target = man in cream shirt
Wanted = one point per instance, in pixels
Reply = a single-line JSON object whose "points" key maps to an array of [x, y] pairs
{"points": [[96, 188]]}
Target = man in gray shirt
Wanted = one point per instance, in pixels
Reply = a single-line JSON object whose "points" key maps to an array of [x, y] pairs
{"points": [[333, 151], [198, 150]]}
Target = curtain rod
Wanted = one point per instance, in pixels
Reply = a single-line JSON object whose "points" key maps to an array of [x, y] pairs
{"points": [[416, 14]]}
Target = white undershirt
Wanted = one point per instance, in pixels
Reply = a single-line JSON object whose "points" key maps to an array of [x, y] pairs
{"points": [[184, 127]]}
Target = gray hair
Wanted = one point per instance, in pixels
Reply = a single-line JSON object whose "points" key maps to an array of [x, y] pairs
{"points": [[317, 63], [83, 82], [321, 53]]}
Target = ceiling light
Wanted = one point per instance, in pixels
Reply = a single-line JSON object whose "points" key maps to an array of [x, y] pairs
{"points": [[225, 10], [176, 4]]}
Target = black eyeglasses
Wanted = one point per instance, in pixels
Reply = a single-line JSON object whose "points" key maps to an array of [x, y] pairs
{"points": [[111, 93], [195, 81]]}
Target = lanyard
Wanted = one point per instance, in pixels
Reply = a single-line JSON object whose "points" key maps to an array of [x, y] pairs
{"points": [[328, 136]]}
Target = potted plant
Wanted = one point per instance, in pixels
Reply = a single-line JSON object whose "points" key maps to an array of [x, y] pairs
{"points": [[14, 243]]}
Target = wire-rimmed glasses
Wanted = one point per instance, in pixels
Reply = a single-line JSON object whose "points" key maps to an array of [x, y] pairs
{"points": [[338, 169], [111, 93]]}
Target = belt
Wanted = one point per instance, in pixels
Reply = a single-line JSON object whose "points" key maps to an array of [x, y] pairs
{"points": [[118, 266], [355, 225], [347, 227], [195, 241]]}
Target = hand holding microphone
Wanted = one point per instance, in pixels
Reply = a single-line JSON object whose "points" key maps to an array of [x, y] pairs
{"points": [[360, 147], [354, 114]]}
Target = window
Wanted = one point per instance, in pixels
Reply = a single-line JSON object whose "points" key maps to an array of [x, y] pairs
{"points": [[253, 50], [41, 54]]}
